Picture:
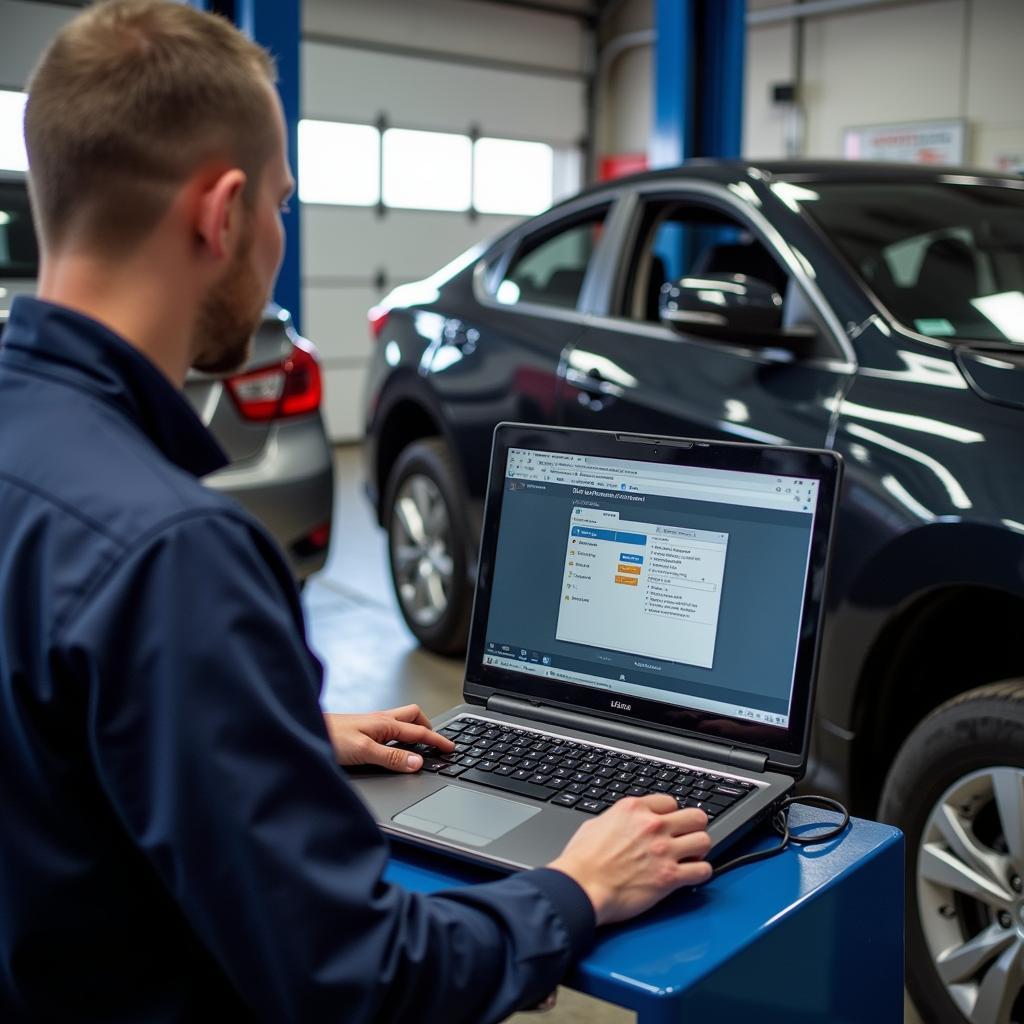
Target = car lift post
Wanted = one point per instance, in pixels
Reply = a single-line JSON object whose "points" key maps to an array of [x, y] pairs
{"points": [[698, 95]]}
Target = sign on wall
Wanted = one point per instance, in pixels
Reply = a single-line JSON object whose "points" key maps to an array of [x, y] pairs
{"points": [[915, 142], [1010, 163]]}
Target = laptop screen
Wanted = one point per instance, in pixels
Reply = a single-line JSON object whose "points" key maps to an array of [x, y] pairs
{"points": [[679, 584]]}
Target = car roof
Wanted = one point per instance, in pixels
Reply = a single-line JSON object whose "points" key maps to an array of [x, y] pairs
{"points": [[725, 172]]}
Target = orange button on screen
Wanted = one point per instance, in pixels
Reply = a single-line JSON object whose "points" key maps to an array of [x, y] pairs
{"points": [[630, 581], [633, 570]]}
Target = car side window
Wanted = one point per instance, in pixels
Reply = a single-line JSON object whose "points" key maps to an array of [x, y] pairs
{"points": [[549, 268], [19, 254], [680, 239]]}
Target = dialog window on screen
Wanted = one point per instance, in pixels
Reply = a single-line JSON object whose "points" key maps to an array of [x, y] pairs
{"points": [[641, 588]]}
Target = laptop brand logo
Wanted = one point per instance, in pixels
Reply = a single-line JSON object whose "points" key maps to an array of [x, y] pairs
{"points": [[622, 707]]}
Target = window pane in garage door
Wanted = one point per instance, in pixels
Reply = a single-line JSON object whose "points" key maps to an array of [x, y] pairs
{"points": [[511, 176], [427, 170], [12, 139], [339, 163]]}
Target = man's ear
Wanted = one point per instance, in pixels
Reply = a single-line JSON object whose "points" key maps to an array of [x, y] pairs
{"points": [[219, 213]]}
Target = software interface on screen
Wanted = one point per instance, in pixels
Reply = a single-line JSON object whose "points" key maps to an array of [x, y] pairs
{"points": [[672, 583]]}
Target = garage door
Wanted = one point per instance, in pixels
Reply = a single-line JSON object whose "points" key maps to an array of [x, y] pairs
{"points": [[442, 135]]}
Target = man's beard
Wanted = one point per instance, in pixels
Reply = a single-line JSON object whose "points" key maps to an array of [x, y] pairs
{"points": [[229, 315]]}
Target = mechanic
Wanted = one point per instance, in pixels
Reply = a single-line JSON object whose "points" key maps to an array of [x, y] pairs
{"points": [[178, 841]]}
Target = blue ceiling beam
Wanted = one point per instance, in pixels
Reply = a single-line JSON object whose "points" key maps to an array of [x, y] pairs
{"points": [[277, 26], [698, 80]]}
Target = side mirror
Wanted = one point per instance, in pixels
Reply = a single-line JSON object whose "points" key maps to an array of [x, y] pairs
{"points": [[730, 307]]}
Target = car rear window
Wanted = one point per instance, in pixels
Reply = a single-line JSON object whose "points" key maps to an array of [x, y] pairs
{"points": [[19, 253]]}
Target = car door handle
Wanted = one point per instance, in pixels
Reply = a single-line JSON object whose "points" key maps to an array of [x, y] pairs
{"points": [[459, 335], [466, 338], [592, 380]]}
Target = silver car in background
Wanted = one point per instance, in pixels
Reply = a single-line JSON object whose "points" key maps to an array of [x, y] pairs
{"points": [[266, 417]]}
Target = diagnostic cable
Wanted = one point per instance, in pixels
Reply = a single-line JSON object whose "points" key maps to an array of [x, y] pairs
{"points": [[780, 822]]}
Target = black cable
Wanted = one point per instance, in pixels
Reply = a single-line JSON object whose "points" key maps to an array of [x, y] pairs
{"points": [[780, 822]]}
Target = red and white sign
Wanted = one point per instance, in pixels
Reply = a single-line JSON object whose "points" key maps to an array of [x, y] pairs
{"points": [[916, 142]]}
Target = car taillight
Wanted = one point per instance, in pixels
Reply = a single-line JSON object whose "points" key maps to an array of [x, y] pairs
{"points": [[303, 387], [314, 542], [289, 388], [378, 317]]}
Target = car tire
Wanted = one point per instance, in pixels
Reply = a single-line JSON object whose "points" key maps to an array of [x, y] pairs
{"points": [[956, 789], [427, 524]]}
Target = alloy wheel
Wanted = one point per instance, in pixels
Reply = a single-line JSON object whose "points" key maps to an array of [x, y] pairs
{"points": [[970, 887], [421, 553]]}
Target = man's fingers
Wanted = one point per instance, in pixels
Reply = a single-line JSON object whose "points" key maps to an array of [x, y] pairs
{"points": [[690, 819], [693, 846], [419, 734], [694, 873], [409, 713], [395, 758], [660, 803]]}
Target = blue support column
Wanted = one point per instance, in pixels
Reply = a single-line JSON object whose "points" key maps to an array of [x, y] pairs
{"points": [[720, 75], [698, 100], [277, 25], [674, 104], [698, 80]]}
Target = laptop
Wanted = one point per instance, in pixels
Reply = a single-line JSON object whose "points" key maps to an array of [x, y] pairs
{"points": [[647, 619]]}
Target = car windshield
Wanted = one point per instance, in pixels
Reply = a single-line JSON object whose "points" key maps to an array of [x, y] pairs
{"points": [[19, 255], [946, 259]]}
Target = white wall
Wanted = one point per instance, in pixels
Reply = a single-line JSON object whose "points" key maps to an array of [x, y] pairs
{"points": [[482, 31], [25, 30], [627, 103], [346, 82], [903, 63], [930, 59], [625, 86], [994, 84], [769, 60]]}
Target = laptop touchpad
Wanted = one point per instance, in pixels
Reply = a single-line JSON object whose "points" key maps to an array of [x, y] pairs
{"points": [[465, 816]]}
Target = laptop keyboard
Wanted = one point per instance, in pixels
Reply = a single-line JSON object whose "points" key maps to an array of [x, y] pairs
{"points": [[569, 773]]}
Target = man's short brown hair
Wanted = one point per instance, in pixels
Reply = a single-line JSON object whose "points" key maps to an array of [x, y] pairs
{"points": [[131, 98]]}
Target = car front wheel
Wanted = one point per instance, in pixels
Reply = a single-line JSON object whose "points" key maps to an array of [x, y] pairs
{"points": [[427, 533], [956, 789]]}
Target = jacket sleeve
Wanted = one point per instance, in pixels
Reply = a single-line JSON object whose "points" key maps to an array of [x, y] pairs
{"points": [[207, 737]]}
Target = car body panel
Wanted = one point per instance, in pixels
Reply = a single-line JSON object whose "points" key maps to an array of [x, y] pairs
{"points": [[925, 507]]}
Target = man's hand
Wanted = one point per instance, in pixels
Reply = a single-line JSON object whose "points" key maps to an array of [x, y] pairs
{"points": [[636, 853], [361, 739]]}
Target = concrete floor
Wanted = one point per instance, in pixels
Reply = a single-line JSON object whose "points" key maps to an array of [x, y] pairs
{"points": [[372, 661]]}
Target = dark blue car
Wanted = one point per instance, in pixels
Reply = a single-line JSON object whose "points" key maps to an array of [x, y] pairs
{"points": [[872, 309]]}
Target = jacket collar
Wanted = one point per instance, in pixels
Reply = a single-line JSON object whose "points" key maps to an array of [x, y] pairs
{"points": [[54, 341]]}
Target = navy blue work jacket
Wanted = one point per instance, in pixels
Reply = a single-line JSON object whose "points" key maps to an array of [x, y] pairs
{"points": [[177, 842]]}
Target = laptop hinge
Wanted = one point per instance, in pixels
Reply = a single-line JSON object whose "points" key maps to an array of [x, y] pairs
{"points": [[735, 757]]}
